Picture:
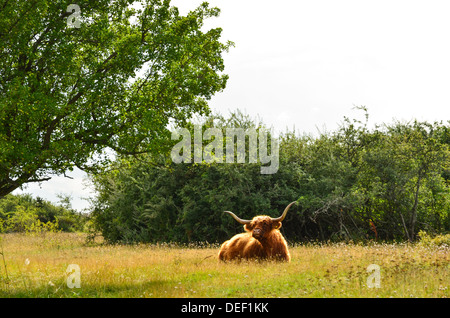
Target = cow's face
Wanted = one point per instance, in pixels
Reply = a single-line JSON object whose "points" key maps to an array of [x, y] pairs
{"points": [[261, 226]]}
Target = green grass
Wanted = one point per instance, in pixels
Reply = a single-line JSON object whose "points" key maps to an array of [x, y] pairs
{"points": [[36, 267]]}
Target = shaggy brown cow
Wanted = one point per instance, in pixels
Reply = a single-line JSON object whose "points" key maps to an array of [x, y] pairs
{"points": [[261, 240]]}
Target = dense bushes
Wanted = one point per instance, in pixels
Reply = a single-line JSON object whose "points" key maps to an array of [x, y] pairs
{"points": [[153, 200], [387, 183], [186, 202], [23, 213]]}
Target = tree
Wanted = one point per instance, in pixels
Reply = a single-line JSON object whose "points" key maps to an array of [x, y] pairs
{"points": [[402, 175], [67, 94], [386, 183], [139, 200]]}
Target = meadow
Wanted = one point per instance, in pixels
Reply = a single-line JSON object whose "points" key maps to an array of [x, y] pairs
{"points": [[36, 266]]}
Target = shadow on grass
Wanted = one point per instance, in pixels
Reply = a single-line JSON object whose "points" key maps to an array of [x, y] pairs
{"points": [[154, 288]]}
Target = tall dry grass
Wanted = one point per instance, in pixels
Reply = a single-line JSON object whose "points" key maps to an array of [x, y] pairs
{"points": [[36, 267]]}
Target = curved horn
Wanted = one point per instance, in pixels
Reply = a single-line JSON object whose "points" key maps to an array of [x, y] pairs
{"points": [[242, 221], [281, 218]]}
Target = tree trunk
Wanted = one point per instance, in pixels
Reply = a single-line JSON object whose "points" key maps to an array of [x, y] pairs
{"points": [[405, 228], [7, 188], [413, 219]]}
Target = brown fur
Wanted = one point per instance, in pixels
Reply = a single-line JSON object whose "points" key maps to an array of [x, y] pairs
{"points": [[261, 240]]}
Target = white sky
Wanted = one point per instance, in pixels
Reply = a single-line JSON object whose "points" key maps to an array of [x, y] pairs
{"points": [[306, 64]]}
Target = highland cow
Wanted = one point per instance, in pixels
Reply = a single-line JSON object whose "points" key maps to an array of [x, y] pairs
{"points": [[261, 240]]}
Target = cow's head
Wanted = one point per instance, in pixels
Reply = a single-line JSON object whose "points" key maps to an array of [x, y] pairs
{"points": [[261, 225]]}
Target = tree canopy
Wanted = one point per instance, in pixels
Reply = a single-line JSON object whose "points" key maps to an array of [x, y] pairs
{"points": [[112, 77]]}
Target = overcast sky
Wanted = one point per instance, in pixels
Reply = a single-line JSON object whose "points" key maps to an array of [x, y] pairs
{"points": [[306, 64]]}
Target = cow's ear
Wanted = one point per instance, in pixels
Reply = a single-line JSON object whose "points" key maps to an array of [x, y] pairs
{"points": [[249, 226], [276, 225]]}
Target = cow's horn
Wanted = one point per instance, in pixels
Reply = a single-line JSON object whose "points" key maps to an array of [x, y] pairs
{"points": [[281, 218], [242, 221]]}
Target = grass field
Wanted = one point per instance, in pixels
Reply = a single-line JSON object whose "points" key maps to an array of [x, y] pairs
{"points": [[36, 267]]}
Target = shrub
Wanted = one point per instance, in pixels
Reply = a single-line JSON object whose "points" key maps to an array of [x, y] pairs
{"points": [[26, 220], [439, 240]]}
